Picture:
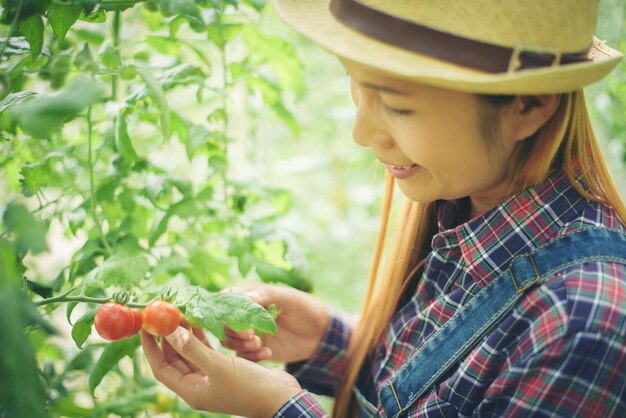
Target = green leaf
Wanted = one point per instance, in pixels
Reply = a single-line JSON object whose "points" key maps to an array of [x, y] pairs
{"points": [[32, 29], [98, 16], [200, 137], [110, 57], [8, 262], [21, 389], [213, 310], [82, 360], [121, 270], [15, 98], [40, 289], [257, 4], [186, 8], [278, 53], [171, 266], [30, 234], [83, 260], [84, 60], [62, 17], [157, 93], [270, 273], [112, 354], [123, 141], [82, 328], [42, 174], [46, 112], [271, 94], [67, 407], [184, 208]]}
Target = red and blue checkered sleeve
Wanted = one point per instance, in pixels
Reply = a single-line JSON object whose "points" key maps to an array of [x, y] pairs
{"points": [[321, 373], [303, 405]]}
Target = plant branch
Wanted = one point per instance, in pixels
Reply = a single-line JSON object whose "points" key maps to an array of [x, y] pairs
{"points": [[116, 44], [224, 96], [91, 184], [85, 299]]}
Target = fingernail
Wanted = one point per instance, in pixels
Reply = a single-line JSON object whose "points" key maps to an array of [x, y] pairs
{"points": [[178, 338]]}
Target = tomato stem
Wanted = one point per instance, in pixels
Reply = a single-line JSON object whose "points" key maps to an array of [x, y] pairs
{"points": [[87, 299]]}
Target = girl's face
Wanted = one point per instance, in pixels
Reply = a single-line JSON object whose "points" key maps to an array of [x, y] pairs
{"points": [[430, 139]]}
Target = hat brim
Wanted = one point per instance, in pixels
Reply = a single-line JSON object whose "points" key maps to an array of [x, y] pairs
{"points": [[313, 19]]}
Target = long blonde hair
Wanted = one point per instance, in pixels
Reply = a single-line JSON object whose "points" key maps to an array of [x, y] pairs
{"points": [[567, 140]]}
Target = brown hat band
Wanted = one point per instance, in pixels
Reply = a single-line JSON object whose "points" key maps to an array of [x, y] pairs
{"points": [[444, 46]]}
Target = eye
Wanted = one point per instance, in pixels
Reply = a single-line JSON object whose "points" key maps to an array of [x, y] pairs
{"points": [[398, 112]]}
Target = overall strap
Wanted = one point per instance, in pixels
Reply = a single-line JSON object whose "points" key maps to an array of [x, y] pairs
{"points": [[472, 322]]}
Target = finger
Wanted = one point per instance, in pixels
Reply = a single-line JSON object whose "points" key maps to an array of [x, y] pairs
{"points": [[198, 332], [264, 353], [194, 351], [241, 335], [253, 344], [191, 386], [176, 360], [161, 368]]}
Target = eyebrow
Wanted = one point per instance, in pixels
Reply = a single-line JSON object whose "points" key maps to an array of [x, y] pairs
{"points": [[385, 89]]}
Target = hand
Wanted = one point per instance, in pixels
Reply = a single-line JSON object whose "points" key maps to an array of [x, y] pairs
{"points": [[302, 322], [212, 381]]}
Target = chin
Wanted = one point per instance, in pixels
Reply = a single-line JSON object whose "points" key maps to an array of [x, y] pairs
{"points": [[417, 194]]}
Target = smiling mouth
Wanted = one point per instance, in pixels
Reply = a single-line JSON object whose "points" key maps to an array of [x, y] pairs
{"points": [[402, 167], [402, 171]]}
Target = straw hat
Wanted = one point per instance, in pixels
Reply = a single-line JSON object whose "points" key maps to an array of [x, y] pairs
{"points": [[479, 46]]}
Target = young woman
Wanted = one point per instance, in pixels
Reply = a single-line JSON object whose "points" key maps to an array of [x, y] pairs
{"points": [[504, 293]]}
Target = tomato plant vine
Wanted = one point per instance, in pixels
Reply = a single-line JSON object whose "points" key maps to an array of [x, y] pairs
{"points": [[117, 120]]}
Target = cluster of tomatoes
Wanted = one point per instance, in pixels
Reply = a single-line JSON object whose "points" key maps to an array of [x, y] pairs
{"points": [[116, 321]]}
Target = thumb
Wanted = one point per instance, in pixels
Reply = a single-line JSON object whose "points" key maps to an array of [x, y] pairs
{"points": [[211, 362], [242, 384], [217, 366], [191, 348]]}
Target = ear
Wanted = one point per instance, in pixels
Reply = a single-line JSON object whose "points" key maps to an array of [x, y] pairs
{"points": [[527, 114]]}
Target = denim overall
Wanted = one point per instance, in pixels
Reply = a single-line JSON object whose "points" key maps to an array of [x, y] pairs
{"points": [[481, 314]]}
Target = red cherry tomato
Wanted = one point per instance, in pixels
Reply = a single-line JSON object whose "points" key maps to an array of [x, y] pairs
{"points": [[161, 318], [138, 317], [114, 321]]}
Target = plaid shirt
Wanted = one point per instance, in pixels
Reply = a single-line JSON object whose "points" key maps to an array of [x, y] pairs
{"points": [[561, 351]]}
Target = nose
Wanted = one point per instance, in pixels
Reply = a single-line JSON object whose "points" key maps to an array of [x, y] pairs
{"points": [[369, 129]]}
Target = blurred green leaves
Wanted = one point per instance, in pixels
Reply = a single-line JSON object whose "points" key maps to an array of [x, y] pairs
{"points": [[32, 29], [29, 232], [111, 355], [43, 113], [62, 17], [22, 392], [119, 128]]}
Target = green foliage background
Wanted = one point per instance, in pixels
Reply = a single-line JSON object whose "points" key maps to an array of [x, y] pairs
{"points": [[186, 144]]}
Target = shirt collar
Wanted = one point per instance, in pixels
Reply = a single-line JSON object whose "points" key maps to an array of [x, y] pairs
{"points": [[488, 242]]}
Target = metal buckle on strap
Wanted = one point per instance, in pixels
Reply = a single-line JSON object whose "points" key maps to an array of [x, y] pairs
{"points": [[520, 287], [526, 56]]}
